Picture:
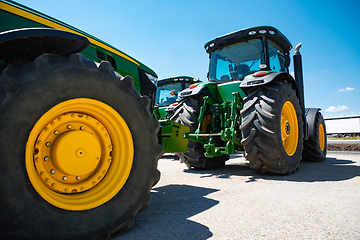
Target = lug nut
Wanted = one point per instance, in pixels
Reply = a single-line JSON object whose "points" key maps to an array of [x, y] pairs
{"points": [[78, 178], [82, 128], [64, 178], [56, 132], [48, 144], [69, 126], [46, 158], [52, 171]]}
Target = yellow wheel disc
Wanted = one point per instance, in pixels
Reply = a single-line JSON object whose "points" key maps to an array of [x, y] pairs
{"points": [[289, 128], [322, 137], [207, 121], [79, 154]]}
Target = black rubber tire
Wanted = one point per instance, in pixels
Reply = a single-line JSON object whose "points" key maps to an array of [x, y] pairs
{"points": [[187, 113], [261, 132], [312, 149], [28, 90]]}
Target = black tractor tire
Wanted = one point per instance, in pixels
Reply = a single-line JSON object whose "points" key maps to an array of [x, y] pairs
{"points": [[187, 114], [315, 147], [29, 91], [272, 112]]}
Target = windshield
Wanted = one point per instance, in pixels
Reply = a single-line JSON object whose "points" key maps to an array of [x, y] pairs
{"points": [[167, 94], [235, 61]]}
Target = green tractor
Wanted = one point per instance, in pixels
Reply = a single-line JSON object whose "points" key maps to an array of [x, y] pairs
{"points": [[251, 104], [78, 143], [167, 93]]}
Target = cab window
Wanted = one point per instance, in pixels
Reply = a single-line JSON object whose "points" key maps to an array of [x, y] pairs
{"points": [[276, 57]]}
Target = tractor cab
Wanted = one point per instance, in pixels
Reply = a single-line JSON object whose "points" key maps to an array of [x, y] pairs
{"points": [[169, 88], [167, 93], [236, 55]]}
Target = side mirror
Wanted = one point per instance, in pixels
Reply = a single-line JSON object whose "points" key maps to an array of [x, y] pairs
{"points": [[287, 60]]}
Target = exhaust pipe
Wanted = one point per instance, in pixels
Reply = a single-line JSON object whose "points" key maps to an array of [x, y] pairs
{"points": [[299, 75]]}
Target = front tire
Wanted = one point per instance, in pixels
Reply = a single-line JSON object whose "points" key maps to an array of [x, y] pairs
{"points": [[78, 150], [187, 114], [272, 128]]}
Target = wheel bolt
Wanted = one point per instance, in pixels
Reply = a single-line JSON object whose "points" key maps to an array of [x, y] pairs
{"points": [[56, 132], [48, 144], [64, 178], [78, 178], [52, 171], [46, 158], [69, 126], [82, 128]]}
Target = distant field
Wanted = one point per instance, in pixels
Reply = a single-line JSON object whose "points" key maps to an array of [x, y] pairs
{"points": [[345, 138]]}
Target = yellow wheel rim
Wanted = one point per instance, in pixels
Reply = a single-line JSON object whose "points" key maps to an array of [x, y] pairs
{"points": [[207, 121], [322, 137], [289, 128], [79, 154]]}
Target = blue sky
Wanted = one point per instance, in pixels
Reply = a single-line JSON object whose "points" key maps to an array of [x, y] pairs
{"points": [[169, 36]]}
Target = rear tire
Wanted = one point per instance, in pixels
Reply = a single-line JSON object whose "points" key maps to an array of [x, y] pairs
{"points": [[316, 146], [272, 128], [93, 101], [187, 114]]}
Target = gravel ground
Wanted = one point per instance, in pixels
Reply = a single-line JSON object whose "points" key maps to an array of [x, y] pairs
{"points": [[320, 201]]}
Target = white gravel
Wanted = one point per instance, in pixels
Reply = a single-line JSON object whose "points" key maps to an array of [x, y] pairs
{"points": [[320, 201]]}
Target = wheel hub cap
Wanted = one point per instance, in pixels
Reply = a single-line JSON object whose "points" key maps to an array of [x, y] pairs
{"points": [[287, 128], [69, 155], [71, 147]]}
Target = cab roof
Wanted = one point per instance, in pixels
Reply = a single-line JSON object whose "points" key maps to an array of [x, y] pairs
{"points": [[166, 81], [249, 33]]}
